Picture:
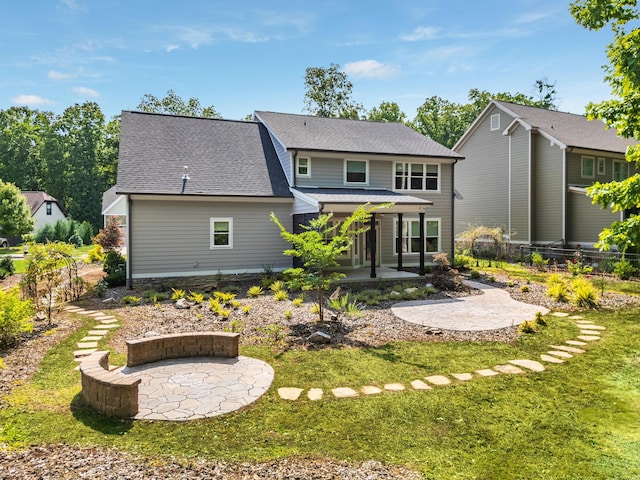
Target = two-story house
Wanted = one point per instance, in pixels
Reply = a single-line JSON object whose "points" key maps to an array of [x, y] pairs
{"points": [[199, 191], [527, 169]]}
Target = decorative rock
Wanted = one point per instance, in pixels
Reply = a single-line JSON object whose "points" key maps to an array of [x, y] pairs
{"points": [[432, 331], [370, 390], [510, 369], [429, 285], [319, 337], [182, 304], [463, 377], [151, 334], [344, 392], [335, 295], [487, 372], [529, 364], [288, 393], [314, 394], [588, 338], [410, 289], [438, 380], [567, 349], [561, 354], [109, 300], [548, 358], [394, 294], [420, 385], [576, 342], [394, 387], [41, 316]]}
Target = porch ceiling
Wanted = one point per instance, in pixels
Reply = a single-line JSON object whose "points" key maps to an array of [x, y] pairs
{"points": [[345, 200]]}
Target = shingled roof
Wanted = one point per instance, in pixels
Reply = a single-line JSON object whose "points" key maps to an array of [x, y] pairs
{"points": [[569, 129], [36, 199], [224, 157], [306, 132]]}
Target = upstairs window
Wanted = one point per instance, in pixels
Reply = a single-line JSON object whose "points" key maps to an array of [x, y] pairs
{"points": [[587, 167], [601, 166], [303, 167], [221, 233], [620, 170], [48, 207], [356, 172], [495, 122], [417, 176]]}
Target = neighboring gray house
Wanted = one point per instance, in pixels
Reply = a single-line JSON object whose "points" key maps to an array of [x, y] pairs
{"points": [[199, 191], [115, 206], [526, 171]]}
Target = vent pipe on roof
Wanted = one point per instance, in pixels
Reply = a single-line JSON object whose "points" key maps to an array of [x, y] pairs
{"points": [[185, 177]]}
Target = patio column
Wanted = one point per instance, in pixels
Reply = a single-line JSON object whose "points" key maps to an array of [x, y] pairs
{"points": [[422, 246], [399, 241], [372, 245]]}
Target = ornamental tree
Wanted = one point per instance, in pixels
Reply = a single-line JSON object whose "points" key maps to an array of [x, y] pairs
{"points": [[622, 112], [318, 247], [15, 214]]}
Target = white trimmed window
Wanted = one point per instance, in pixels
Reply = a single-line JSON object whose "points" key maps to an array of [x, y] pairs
{"points": [[620, 170], [356, 172], [303, 167], [417, 176], [411, 235], [221, 233], [495, 122], [587, 167], [601, 166]]}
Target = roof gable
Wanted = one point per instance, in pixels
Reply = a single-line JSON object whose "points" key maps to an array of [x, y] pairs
{"points": [[224, 157], [36, 199], [307, 132]]}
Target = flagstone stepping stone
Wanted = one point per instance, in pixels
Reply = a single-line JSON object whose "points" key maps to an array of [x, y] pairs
{"points": [[463, 377], [420, 385], [529, 364], [87, 344], [106, 321], [81, 311], [590, 332], [438, 380], [314, 394], [588, 338], [594, 327], [102, 333], [93, 338], [487, 372], [576, 342], [289, 393], [344, 392], [71, 308], [560, 314], [548, 358], [97, 314], [106, 327], [575, 317], [370, 390], [394, 387], [511, 369], [567, 349], [84, 353], [558, 353]]}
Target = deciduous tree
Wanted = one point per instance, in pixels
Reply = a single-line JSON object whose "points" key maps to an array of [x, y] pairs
{"points": [[329, 93], [15, 214], [174, 104], [387, 112]]}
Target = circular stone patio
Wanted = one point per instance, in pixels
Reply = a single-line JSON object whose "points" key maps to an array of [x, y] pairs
{"points": [[492, 310], [198, 387]]}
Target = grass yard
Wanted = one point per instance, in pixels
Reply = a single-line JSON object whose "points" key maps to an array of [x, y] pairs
{"points": [[579, 420]]}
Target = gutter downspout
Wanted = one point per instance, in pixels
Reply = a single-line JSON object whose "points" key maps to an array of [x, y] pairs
{"points": [[453, 211], [509, 187], [293, 167], [564, 196], [129, 243]]}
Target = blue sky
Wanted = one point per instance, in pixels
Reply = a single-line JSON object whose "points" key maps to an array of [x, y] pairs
{"points": [[243, 55]]}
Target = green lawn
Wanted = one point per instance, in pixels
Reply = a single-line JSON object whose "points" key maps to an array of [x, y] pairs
{"points": [[579, 420]]}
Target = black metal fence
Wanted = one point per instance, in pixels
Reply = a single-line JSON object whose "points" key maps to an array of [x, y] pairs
{"points": [[567, 257]]}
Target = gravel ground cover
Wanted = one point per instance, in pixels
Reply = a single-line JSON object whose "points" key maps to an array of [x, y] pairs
{"points": [[376, 326]]}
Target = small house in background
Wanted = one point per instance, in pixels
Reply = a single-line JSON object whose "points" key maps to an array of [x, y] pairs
{"points": [[115, 206], [45, 209]]}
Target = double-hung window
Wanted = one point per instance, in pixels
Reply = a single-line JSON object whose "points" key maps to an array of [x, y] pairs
{"points": [[417, 176], [587, 167], [356, 172], [221, 232], [303, 167], [620, 170], [411, 236], [48, 208]]}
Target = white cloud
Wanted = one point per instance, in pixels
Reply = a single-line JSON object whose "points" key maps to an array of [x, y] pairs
{"points": [[171, 48], [31, 100], [532, 17], [369, 69], [247, 37], [421, 33], [55, 75], [86, 92], [195, 37]]}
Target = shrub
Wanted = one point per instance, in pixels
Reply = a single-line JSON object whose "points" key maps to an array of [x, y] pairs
{"points": [[463, 261], [558, 291], [539, 261], [177, 294], [370, 296], [584, 294], [524, 288], [224, 314], [153, 296], [623, 269], [474, 274], [278, 286], [214, 305], [131, 300], [100, 288], [315, 309], [528, 326], [554, 279], [110, 237], [196, 297], [540, 321], [288, 314], [95, 254], [297, 302], [345, 304], [255, 291], [15, 316], [235, 326], [246, 309], [115, 267], [280, 295], [7, 268], [225, 298]]}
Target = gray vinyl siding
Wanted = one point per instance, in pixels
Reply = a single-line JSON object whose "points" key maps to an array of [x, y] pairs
{"points": [[549, 191], [586, 220], [325, 172], [284, 157], [519, 224], [171, 238], [482, 178], [574, 169]]}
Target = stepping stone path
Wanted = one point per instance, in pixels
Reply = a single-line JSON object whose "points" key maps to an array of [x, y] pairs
{"points": [[89, 344], [559, 354]]}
